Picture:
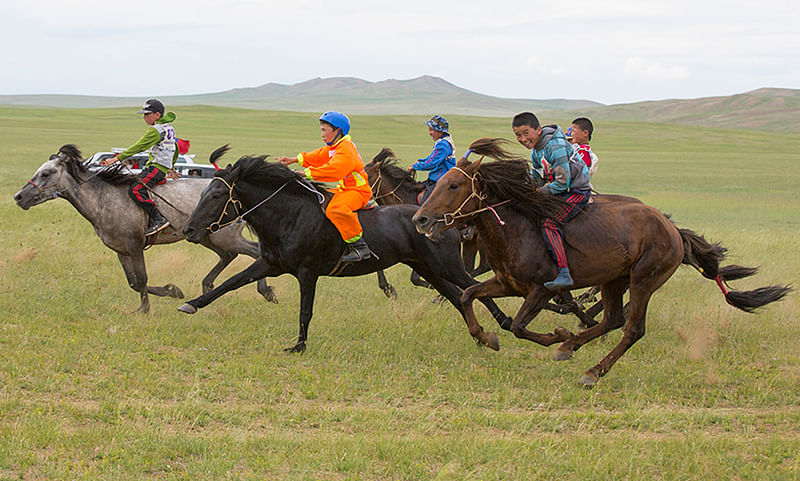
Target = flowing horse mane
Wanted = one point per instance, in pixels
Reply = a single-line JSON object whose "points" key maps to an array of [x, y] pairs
{"points": [[257, 171], [508, 177], [387, 163], [77, 168]]}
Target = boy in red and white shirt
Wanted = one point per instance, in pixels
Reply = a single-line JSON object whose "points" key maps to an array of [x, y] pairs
{"points": [[581, 134]]}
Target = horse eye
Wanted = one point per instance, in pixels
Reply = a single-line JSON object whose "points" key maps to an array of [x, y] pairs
{"points": [[45, 174], [453, 186]]}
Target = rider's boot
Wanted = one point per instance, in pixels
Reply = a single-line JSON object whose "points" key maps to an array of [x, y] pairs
{"points": [[561, 281], [357, 251], [157, 223]]}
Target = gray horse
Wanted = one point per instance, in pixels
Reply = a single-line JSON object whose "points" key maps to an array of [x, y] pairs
{"points": [[102, 198]]}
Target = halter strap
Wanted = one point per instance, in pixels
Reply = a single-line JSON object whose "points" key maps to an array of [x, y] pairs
{"points": [[215, 226], [450, 217]]}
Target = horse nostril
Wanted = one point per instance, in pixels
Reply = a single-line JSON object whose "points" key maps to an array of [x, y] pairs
{"points": [[17, 197], [187, 231], [422, 221]]}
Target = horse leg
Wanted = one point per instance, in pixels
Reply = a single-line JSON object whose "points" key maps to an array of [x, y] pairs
{"points": [[418, 281], [225, 258], [257, 270], [613, 318], [534, 302], [634, 330], [484, 291], [483, 265], [136, 274], [387, 288], [308, 289], [235, 245], [469, 250]]}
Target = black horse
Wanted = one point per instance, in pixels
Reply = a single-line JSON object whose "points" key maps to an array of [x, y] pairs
{"points": [[295, 237]]}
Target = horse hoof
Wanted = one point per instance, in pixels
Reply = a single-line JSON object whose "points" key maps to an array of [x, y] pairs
{"points": [[270, 296], [562, 355], [493, 342], [588, 380], [563, 334], [174, 291], [297, 348], [390, 292], [187, 308]]}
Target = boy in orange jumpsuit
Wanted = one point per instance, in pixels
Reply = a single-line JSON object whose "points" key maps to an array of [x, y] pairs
{"points": [[339, 161]]}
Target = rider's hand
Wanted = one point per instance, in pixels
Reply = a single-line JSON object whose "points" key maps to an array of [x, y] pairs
{"points": [[411, 169], [173, 174], [286, 160], [109, 161]]}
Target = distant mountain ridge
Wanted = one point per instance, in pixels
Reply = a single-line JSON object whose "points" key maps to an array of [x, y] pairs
{"points": [[421, 95], [763, 109]]}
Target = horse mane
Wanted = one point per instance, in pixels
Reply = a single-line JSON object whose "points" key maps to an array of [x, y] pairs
{"points": [[386, 162], [256, 170], [509, 177], [76, 167]]}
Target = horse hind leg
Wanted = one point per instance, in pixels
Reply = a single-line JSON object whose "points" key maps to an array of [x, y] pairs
{"points": [[613, 318], [136, 274], [634, 330]]}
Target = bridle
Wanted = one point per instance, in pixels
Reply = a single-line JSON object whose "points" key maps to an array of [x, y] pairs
{"points": [[215, 226], [450, 217], [55, 191], [376, 188]]}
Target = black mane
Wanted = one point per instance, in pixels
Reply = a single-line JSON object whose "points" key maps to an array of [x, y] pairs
{"points": [[76, 167], [257, 171], [386, 162]]}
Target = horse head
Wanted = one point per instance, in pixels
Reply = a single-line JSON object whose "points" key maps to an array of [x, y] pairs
{"points": [[51, 178]]}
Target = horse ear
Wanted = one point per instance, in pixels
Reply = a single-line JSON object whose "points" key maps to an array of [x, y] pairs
{"points": [[463, 163], [473, 167]]}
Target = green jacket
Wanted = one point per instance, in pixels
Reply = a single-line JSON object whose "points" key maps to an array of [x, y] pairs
{"points": [[163, 134]]}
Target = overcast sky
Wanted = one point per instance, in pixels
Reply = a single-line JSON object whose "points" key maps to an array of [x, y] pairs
{"points": [[610, 52]]}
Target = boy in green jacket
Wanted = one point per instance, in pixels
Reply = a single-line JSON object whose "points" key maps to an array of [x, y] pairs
{"points": [[161, 141]]}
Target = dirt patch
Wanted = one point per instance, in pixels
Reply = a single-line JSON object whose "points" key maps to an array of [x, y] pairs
{"points": [[700, 340], [24, 255]]}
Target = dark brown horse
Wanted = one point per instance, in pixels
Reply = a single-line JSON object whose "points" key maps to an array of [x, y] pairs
{"points": [[392, 185], [617, 245]]}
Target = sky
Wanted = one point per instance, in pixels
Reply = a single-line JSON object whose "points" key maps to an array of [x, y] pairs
{"points": [[610, 52]]}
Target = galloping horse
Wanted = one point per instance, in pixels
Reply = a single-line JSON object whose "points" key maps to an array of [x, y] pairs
{"points": [[616, 245], [102, 198], [296, 238], [393, 185]]}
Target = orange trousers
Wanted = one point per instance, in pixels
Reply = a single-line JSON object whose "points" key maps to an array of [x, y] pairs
{"points": [[341, 211]]}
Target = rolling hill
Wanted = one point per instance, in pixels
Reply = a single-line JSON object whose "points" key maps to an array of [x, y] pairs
{"points": [[352, 95], [762, 109]]}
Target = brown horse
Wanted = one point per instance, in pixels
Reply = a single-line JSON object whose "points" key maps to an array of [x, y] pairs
{"points": [[616, 245], [392, 185]]}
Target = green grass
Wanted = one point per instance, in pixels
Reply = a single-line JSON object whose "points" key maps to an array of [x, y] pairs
{"points": [[391, 390]]}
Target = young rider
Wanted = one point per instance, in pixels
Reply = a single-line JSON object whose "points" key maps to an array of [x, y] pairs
{"points": [[339, 161], [564, 174], [160, 139], [441, 159]]}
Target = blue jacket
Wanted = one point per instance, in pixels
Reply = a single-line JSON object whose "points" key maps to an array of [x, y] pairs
{"points": [[441, 159], [557, 164]]}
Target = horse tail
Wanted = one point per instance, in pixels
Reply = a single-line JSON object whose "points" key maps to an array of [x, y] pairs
{"points": [[494, 148], [217, 154], [385, 154], [705, 257]]}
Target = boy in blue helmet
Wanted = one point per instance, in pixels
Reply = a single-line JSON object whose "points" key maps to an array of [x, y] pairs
{"points": [[441, 159], [339, 161], [564, 174]]}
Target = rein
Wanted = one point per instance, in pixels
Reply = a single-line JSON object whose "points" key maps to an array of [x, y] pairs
{"points": [[450, 217], [376, 188], [215, 226]]}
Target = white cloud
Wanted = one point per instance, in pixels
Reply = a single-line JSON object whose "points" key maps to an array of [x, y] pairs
{"points": [[650, 69]]}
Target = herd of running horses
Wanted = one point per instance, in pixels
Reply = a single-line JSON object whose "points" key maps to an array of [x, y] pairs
{"points": [[617, 244]]}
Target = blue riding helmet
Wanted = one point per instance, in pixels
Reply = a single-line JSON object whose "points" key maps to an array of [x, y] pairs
{"points": [[438, 123], [338, 120]]}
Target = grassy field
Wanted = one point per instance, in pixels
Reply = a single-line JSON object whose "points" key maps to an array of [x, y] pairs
{"points": [[391, 390]]}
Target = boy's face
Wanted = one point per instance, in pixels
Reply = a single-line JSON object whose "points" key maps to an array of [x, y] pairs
{"points": [[527, 135], [151, 118], [579, 135], [327, 131], [435, 134]]}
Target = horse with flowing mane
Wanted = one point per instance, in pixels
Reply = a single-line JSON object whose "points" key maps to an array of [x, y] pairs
{"points": [[295, 237], [102, 198], [393, 185], [617, 245]]}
